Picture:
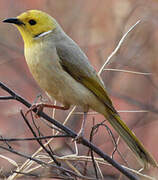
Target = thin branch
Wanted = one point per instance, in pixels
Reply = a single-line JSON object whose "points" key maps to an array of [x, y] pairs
{"points": [[63, 170], [27, 174], [96, 128], [120, 111], [25, 156], [13, 162], [78, 158], [72, 134], [133, 111], [92, 155], [27, 163], [6, 97], [34, 139], [146, 107], [118, 46], [127, 71], [40, 143]]}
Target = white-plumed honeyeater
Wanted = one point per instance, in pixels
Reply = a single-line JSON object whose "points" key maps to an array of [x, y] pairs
{"points": [[63, 71]]}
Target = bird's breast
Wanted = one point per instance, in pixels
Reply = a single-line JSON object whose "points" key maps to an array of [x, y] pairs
{"points": [[52, 78], [44, 65]]}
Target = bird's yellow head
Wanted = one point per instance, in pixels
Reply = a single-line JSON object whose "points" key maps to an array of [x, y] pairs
{"points": [[32, 24]]}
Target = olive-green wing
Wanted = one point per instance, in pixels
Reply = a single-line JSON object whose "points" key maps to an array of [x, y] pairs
{"points": [[76, 63]]}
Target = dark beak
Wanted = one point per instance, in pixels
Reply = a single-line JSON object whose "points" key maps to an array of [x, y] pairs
{"points": [[13, 21]]}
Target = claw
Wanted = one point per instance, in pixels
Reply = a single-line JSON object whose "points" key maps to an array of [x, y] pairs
{"points": [[39, 108]]}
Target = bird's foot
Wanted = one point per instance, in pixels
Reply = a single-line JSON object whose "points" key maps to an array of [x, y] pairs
{"points": [[40, 106]]}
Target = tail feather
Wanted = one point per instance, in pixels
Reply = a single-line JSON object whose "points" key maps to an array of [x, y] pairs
{"points": [[145, 158]]}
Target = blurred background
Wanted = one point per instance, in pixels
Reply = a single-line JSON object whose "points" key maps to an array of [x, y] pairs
{"points": [[97, 26]]}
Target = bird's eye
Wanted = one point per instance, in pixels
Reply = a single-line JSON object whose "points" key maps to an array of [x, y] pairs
{"points": [[32, 22]]}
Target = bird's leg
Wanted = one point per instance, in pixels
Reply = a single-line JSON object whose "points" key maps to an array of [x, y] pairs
{"points": [[80, 135], [41, 106]]}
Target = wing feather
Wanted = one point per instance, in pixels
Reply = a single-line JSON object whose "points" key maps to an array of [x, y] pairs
{"points": [[76, 63]]}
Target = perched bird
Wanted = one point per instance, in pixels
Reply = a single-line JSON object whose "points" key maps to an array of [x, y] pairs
{"points": [[63, 71]]}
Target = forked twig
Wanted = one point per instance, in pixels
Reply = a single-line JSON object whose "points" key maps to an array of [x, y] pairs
{"points": [[118, 46]]}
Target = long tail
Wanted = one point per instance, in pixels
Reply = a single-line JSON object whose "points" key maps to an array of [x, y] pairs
{"points": [[131, 140]]}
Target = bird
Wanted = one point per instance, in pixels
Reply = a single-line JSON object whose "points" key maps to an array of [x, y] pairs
{"points": [[64, 72]]}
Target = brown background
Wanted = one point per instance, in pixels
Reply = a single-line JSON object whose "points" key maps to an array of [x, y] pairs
{"points": [[96, 26]]}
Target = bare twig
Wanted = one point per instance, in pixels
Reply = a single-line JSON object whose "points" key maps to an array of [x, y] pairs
{"points": [[71, 133], [35, 138], [127, 71], [118, 46], [92, 155], [6, 97], [38, 140]]}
